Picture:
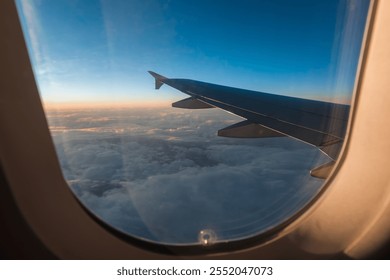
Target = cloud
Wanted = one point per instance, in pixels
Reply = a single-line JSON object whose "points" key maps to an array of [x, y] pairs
{"points": [[166, 176]]}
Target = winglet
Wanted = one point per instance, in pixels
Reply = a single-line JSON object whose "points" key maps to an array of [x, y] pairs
{"points": [[159, 80]]}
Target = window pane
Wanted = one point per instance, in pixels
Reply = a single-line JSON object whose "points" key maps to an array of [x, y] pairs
{"points": [[160, 173]]}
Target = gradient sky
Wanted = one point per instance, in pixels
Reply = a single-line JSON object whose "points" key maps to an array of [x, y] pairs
{"points": [[100, 51]]}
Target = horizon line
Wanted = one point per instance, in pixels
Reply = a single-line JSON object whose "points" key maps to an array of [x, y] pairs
{"points": [[104, 104]]}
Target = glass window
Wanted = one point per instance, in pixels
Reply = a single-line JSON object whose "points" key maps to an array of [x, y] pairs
{"points": [[160, 173]]}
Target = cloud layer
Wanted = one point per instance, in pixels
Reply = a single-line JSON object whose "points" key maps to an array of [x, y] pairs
{"points": [[164, 175]]}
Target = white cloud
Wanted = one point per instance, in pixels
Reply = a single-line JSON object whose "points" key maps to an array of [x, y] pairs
{"points": [[171, 184]]}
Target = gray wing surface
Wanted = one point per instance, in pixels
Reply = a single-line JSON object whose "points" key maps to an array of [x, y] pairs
{"points": [[318, 123]]}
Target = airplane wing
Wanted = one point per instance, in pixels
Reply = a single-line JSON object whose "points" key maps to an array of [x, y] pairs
{"points": [[318, 123]]}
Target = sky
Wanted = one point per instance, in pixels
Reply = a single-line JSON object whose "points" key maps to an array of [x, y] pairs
{"points": [[100, 51]]}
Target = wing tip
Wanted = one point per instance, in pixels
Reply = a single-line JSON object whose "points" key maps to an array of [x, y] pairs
{"points": [[159, 79]]}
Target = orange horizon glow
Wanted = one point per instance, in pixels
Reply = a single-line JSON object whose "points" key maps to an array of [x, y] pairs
{"points": [[146, 104], [346, 100], [105, 105]]}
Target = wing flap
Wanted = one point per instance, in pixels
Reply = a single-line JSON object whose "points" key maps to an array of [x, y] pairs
{"points": [[322, 171], [247, 129], [191, 103]]}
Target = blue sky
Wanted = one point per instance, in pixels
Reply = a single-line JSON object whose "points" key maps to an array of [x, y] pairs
{"points": [[100, 51]]}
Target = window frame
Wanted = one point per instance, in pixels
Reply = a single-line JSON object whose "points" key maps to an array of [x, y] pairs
{"points": [[45, 202]]}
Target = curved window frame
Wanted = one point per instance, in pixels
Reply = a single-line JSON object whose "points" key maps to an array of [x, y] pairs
{"points": [[27, 149]]}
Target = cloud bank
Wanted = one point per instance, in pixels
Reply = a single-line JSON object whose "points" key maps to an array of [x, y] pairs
{"points": [[164, 175]]}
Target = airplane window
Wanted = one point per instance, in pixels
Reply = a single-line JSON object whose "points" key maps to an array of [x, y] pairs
{"points": [[269, 86]]}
